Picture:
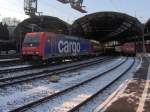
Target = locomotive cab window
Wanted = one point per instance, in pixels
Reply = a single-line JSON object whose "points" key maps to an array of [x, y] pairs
{"points": [[32, 40]]}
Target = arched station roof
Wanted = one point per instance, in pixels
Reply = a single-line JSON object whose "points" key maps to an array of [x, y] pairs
{"points": [[41, 23], [147, 25], [107, 26]]}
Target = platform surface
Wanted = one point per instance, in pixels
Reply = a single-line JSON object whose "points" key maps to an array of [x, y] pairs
{"points": [[132, 95]]}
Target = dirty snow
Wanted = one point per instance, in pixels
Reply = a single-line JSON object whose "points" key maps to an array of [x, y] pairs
{"points": [[95, 102], [65, 102], [20, 97]]}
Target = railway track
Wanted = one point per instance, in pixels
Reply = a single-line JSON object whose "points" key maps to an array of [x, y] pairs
{"points": [[15, 68], [54, 70], [23, 67], [66, 91], [77, 107], [9, 62], [12, 56]]}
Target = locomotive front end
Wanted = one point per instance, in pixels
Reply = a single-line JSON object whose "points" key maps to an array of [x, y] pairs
{"points": [[31, 46]]}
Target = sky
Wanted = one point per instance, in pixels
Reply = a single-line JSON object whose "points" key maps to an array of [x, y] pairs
{"points": [[136, 8]]}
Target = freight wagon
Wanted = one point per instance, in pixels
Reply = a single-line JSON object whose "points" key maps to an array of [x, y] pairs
{"points": [[129, 48], [47, 45]]}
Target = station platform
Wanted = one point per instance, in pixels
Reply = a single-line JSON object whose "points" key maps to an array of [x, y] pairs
{"points": [[132, 95]]}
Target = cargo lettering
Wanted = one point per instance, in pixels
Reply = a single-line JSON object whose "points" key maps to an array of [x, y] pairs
{"points": [[68, 47]]}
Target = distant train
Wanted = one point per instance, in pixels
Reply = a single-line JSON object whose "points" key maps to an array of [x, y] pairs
{"points": [[129, 48], [47, 45]]}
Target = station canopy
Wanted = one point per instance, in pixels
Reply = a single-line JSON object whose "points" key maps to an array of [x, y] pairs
{"points": [[147, 30], [41, 23], [107, 26]]}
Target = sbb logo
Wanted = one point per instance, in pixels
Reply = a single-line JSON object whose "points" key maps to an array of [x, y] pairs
{"points": [[68, 47]]}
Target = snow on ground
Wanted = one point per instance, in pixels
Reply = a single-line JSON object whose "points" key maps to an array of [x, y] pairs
{"points": [[24, 72], [31, 84], [72, 98], [94, 103], [16, 98]]}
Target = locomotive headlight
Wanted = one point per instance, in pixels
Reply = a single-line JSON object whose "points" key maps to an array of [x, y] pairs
{"points": [[36, 52]]}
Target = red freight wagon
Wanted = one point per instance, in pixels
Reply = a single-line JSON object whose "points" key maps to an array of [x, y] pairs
{"points": [[129, 48]]}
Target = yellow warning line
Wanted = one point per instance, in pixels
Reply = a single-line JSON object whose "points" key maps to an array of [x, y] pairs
{"points": [[143, 98], [112, 97], [145, 92]]}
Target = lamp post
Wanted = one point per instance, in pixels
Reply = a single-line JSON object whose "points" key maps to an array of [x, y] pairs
{"points": [[143, 40], [20, 40]]}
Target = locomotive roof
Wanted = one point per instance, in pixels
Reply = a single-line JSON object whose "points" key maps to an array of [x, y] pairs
{"points": [[62, 35]]}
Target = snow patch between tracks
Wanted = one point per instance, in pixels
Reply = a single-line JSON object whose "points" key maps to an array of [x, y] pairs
{"points": [[21, 98]]}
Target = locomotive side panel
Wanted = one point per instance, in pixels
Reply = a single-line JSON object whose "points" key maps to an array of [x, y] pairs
{"points": [[63, 46], [50, 45]]}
